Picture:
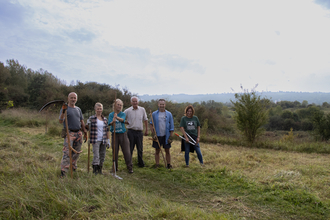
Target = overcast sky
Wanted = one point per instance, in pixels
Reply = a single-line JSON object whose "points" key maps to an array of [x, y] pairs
{"points": [[173, 46]]}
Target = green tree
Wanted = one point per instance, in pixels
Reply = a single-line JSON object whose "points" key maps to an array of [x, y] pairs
{"points": [[250, 114], [321, 123]]}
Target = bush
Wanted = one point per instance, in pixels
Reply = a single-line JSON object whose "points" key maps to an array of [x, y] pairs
{"points": [[251, 114]]}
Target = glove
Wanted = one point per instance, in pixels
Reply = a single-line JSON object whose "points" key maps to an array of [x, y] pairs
{"points": [[85, 137], [108, 143], [169, 140], [64, 107], [154, 136]]}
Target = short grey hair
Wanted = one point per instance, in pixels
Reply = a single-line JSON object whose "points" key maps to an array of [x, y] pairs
{"points": [[98, 104], [135, 97]]}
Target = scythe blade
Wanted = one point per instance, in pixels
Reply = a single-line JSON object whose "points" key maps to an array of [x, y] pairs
{"points": [[51, 102]]}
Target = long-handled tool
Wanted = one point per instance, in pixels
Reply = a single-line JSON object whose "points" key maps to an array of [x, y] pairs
{"points": [[89, 144], [153, 126], [184, 138], [69, 141], [114, 147], [191, 138]]}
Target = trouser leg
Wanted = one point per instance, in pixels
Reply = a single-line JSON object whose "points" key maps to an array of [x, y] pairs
{"points": [[102, 151], [96, 153], [139, 146], [199, 154], [75, 142], [124, 143], [186, 152], [130, 135]]}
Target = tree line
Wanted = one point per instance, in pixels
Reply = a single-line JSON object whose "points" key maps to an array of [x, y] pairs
{"points": [[23, 87]]}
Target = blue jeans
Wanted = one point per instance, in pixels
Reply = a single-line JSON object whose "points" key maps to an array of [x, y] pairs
{"points": [[187, 151]]}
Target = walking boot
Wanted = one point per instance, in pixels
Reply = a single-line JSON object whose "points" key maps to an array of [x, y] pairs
{"points": [[100, 169], [95, 169], [62, 174]]}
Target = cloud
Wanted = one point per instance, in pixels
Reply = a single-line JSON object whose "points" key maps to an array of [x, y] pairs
{"points": [[81, 35], [324, 3]]}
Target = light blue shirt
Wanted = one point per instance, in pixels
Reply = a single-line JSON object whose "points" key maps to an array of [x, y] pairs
{"points": [[169, 123]]}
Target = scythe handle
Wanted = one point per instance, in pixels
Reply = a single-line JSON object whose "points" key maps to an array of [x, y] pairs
{"points": [[153, 126]]}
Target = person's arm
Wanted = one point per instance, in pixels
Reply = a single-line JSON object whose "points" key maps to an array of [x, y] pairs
{"points": [[184, 134], [146, 125], [198, 134], [83, 126], [62, 116], [61, 119], [118, 118]]}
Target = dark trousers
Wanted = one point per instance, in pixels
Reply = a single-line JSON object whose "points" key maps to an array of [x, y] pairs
{"points": [[136, 138], [122, 140]]}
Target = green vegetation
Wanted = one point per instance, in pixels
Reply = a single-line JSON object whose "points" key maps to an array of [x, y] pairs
{"points": [[235, 182], [250, 114]]}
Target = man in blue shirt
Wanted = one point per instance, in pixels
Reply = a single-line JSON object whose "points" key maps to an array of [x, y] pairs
{"points": [[164, 126]]}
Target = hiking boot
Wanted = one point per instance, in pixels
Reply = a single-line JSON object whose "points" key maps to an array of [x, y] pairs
{"points": [[130, 171], [62, 174], [169, 166], [100, 169], [95, 169]]}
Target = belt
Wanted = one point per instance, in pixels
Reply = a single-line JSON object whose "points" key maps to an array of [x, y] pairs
{"points": [[134, 130], [74, 130]]}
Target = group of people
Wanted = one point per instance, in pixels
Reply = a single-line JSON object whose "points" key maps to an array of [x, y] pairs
{"points": [[134, 119]]}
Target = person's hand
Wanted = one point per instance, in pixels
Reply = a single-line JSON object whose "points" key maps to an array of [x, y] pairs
{"points": [[169, 140], [64, 107], [197, 140], [186, 139], [146, 133], [114, 117], [85, 136], [108, 145]]}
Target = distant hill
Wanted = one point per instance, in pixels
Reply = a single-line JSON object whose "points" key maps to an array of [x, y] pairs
{"points": [[314, 97]]}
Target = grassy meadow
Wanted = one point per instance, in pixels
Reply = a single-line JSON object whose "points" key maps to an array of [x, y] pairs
{"points": [[236, 182]]}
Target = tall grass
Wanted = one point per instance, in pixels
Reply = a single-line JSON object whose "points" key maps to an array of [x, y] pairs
{"points": [[235, 183]]}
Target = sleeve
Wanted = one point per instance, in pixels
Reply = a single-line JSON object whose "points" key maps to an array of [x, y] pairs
{"points": [[106, 122], [171, 122], [110, 118], [145, 115], [182, 122], [81, 114]]}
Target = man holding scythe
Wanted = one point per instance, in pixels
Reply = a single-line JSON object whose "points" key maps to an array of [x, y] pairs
{"points": [[162, 128], [75, 122]]}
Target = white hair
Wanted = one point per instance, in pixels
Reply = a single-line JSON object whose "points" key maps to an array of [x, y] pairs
{"points": [[134, 97]]}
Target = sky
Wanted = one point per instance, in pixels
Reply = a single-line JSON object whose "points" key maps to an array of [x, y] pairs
{"points": [[173, 46]]}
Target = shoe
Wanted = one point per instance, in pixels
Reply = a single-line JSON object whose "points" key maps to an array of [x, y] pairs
{"points": [[100, 169], [156, 166], [95, 169], [187, 166], [169, 166], [130, 171], [62, 174]]}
